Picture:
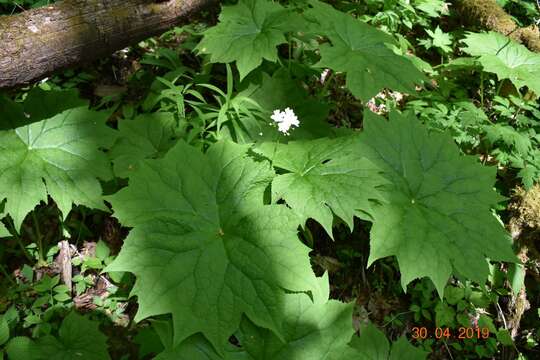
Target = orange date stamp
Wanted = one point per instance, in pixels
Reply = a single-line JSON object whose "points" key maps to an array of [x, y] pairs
{"points": [[461, 333]]}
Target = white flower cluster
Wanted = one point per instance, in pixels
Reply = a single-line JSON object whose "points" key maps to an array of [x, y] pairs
{"points": [[285, 119]]}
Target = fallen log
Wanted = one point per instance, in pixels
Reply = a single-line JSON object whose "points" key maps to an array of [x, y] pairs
{"points": [[38, 42]]}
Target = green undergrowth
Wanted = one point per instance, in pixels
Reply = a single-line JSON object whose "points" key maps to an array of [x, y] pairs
{"points": [[284, 180]]}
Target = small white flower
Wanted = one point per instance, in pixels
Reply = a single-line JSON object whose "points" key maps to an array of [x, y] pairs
{"points": [[285, 119], [276, 115]]}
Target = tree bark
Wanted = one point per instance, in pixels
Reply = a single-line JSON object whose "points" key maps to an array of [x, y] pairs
{"points": [[38, 42], [490, 15]]}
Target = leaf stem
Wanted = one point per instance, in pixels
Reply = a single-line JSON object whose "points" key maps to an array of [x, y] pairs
{"points": [[327, 81], [7, 275], [482, 88], [290, 55], [276, 142], [37, 230], [18, 239], [499, 87], [395, 317]]}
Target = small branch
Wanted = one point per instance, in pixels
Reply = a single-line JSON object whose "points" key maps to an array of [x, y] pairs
{"points": [[501, 314]]}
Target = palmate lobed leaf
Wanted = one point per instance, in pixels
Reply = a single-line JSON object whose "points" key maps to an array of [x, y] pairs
{"points": [[325, 177], [440, 39], [247, 33], [506, 58], [60, 157], [432, 8], [12, 114], [41, 104], [436, 219], [519, 140], [360, 51], [146, 136], [204, 247], [194, 348], [78, 338], [3, 231], [373, 345], [38, 105], [318, 329]]}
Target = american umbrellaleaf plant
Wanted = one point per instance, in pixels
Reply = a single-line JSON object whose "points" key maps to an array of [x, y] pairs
{"points": [[213, 251]]}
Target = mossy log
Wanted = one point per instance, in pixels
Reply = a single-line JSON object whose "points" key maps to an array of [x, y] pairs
{"points": [[38, 42], [490, 15]]}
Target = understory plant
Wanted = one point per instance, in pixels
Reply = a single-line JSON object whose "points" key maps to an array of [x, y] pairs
{"points": [[217, 173]]}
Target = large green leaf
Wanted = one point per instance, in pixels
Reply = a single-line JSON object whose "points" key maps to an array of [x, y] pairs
{"points": [[360, 51], [204, 247], [195, 347], [38, 105], [148, 341], [247, 33], [373, 345], [59, 156], [321, 329], [4, 330], [41, 104], [146, 136], [22, 348], [314, 330], [436, 219], [79, 338], [506, 58], [402, 349], [324, 177], [3, 231], [12, 114]]}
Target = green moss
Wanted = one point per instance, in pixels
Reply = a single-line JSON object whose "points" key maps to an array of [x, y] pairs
{"points": [[488, 14], [527, 207]]}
